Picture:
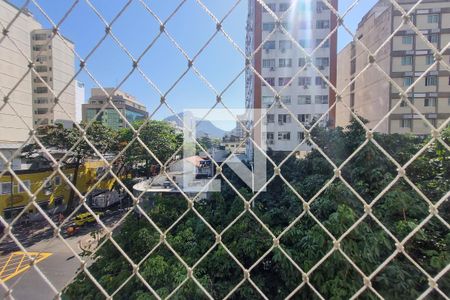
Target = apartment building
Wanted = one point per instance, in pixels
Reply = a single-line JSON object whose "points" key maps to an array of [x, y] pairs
{"points": [[279, 60], [404, 58], [13, 67], [54, 62], [125, 103]]}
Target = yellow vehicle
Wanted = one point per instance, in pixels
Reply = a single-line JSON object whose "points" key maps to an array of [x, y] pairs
{"points": [[86, 217]]}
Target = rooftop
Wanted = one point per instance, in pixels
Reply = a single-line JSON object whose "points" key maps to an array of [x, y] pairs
{"points": [[100, 93]]}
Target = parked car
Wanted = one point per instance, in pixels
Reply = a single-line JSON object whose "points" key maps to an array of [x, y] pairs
{"points": [[85, 218]]}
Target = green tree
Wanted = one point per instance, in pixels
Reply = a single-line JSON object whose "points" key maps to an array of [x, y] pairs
{"points": [[400, 210], [158, 136]]}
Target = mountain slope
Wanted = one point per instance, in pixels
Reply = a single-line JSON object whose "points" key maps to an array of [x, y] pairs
{"points": [[204, 127]]}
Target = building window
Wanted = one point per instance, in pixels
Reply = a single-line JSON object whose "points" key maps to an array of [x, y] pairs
{"points": [[429, 59], [407, 81], [41, 90], [407, 40], [321, 82], [304, 118], [321, 7], [429, 102], [304, 81], [283, 7], [267, 100], [268, 63], [407, 60], [300, 136], [40, 37], [322, 62], [40, 101], [286, 99], [301, 62], [321, 99], [38, 47], [284, 136], [304, 99], [322, 24], [269, 45], [5, 188], [26, 183], [270, 118], [40, 69], [269, 135], [285, 44], [268, 26], [431, 80], [405, 123], [284, 119], [270, 81], [433, 38], [283, 81], [41, 111], [285, 62], [433, 18], [403, 103], [41, 58], [40, 80]]}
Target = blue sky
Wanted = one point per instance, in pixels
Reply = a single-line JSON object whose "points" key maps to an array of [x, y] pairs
{"points": [[191, 27]]}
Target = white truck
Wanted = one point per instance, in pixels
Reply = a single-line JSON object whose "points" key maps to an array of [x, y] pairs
{"points": [[105, 199]]}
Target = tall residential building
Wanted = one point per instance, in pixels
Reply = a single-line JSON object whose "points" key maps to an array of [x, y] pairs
{"points": [[13, 66], [279, 60], [54, 59], [79, 100], [125, 103], [404, 58]]}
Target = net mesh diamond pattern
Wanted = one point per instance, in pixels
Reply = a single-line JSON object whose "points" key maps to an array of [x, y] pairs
{"points": [[218, 237]]}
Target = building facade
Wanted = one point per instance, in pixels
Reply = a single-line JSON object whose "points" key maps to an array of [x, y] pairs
{"points": [[80, 96], [54, 62], [55, 195], [125, 103], [404, 58], [287, 70], [13, 66]]}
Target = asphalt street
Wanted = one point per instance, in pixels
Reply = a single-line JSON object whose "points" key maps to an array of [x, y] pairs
{"points": [[57, 263], [60, 267]]}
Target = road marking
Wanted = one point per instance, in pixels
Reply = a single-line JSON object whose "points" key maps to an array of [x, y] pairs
{"points": [[18, 262]]}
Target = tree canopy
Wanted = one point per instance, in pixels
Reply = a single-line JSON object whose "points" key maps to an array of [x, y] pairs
{"points": [[158, 137], [332, 212]]}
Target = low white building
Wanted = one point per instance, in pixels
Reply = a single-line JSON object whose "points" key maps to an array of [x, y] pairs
{"points": [[190, 175]]}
